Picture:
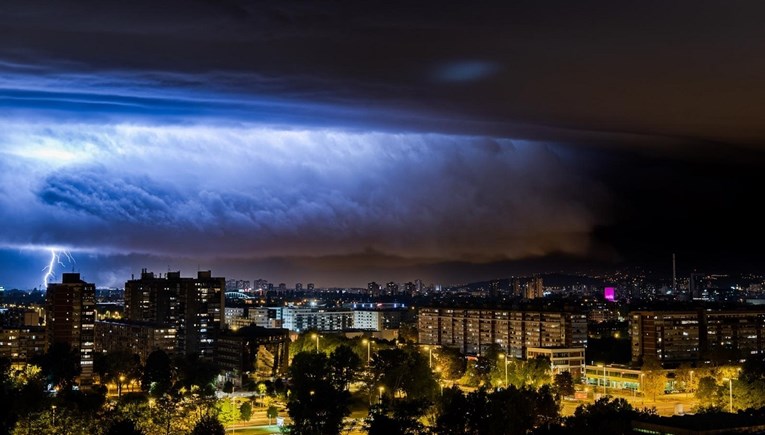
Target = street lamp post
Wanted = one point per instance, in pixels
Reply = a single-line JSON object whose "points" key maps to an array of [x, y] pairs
{"points": [[381, 389], [504, 358], [119, 387], [430, 356], [691, 381], [369, 350], [316, 336], [53, 413], [730, 392]]}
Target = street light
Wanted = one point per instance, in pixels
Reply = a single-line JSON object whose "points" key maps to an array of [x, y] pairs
{"points": [[369, 349], [316, 336], [381, 389], [119, 387], [430, 356], [691, 380], [503, 357], [730, 392], [53, 412]]}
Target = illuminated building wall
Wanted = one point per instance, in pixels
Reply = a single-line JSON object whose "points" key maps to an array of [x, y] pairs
{"points": [[194, 307], [472, 330], [71, 314]]}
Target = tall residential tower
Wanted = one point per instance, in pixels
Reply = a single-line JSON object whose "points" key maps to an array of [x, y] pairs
{"points": [[71, 314], [193, 306]]}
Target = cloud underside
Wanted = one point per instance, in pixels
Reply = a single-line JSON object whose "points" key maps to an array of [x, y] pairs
{"points": [[249, 191]]}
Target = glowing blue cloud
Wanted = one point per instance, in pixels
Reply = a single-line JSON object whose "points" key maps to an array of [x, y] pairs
{"points": [[209, 175]]}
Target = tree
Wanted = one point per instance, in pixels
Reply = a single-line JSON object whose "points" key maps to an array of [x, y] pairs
{"points": [[193, 371], [245, 411], [316, 404], [228, 412], [60, 365], [605, 416], [22, 392], [208, 425], [563, 384], [407, 333], [753, 369], [124, 427], [272, 412], [535, 371], [653, 377], [451, 362], [684, 379], [452, 413], [707, 391], [344, 365], [397, 417], [405, 372], [117, 367], [157, 374]]}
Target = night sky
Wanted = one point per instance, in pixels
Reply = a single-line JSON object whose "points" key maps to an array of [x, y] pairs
{"points": [[343, 142]]}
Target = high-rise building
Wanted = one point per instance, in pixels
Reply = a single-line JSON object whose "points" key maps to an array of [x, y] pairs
{"points": [[298, 287], [192, 306], [71, 314], [311, 286], [494, 289], [535, 288], [391, 288], [410, 289], [373, 288], [695, 285]]}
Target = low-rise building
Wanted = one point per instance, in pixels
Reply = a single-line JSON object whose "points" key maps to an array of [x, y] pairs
{"points": [[300, 319], [20, 344], [138, 338], [562, 359], [251, 350]]}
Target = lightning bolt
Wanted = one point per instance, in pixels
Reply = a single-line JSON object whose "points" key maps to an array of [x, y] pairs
{"points": [[55, 259]]}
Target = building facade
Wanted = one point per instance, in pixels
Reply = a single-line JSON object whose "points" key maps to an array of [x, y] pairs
{"points": [[562, 359], [137, 338], [192, 306], [70, 308], [300, 319], [20, 344], [700, 335], [473, 330], [259, 352]]}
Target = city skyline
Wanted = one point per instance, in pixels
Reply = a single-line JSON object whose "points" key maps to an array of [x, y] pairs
{"points": [[335, 144]]}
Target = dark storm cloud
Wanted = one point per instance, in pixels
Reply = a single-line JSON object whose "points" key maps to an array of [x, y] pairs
{"points": [[392, 136], [680, 69]]}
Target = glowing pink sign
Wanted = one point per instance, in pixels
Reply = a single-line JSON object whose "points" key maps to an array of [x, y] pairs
{"points": [[610, 294]]}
